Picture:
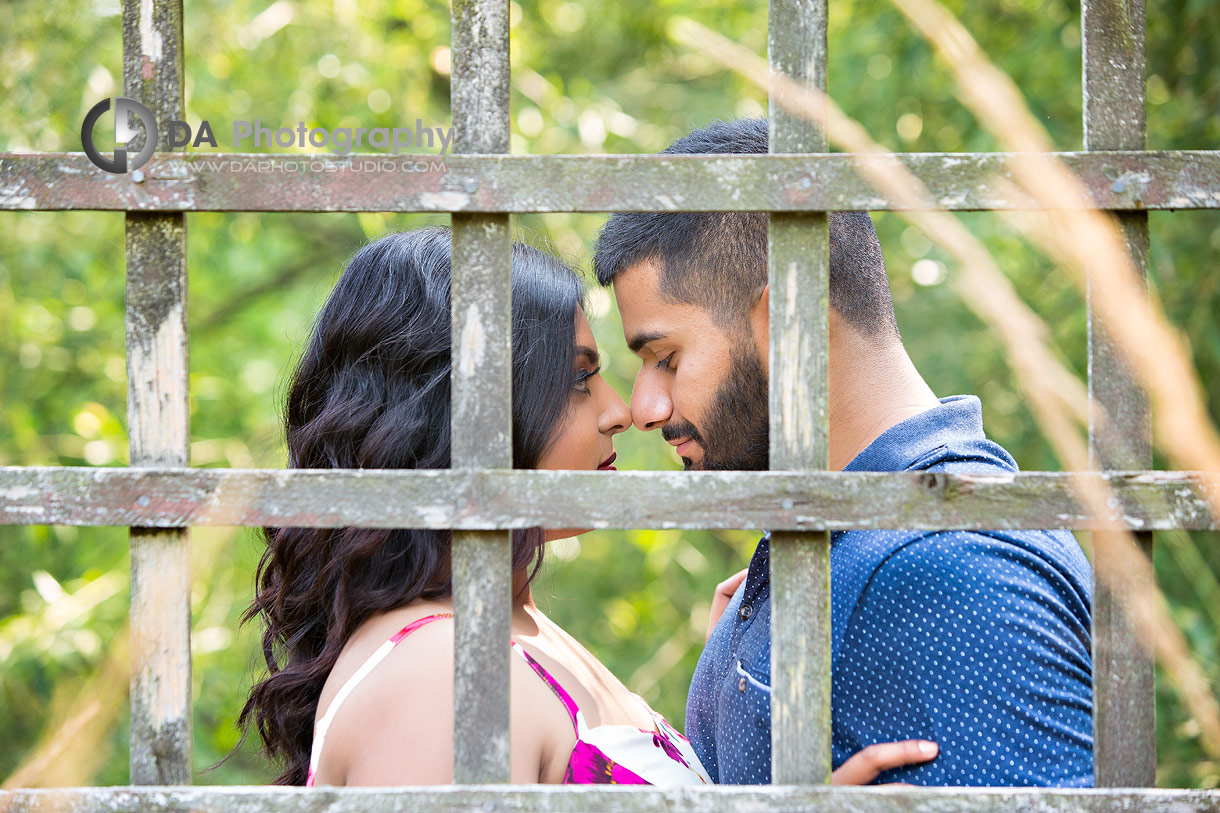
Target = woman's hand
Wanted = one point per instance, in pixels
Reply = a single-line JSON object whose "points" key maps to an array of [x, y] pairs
{"points": [[722, 596], [867, 764]]}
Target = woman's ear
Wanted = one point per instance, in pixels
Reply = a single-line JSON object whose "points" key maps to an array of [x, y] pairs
{"points": [[760, 323]]}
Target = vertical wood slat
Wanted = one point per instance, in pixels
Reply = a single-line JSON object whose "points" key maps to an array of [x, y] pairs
{"points": [[1124, 710], [798, 270], [481, 419], [158, 418]]}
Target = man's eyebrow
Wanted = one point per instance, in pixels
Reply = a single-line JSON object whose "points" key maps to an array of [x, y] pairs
{"points": [[640, 339], [588, 353]]}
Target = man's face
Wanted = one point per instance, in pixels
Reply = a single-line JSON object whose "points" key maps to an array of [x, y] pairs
{"points": [[702, 383]]}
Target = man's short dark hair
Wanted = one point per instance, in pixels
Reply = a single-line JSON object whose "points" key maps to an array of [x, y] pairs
{"points": [[718, 260]]}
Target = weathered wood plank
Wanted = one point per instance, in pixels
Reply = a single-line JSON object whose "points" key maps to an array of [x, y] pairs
{"points": [[158, 416], [229, 182], [800, 657], [481, 419], [157, 366], [1120, 436], [479, 84], [482, 595], [799, 274], [796, 48], [161, 714], [1114, 84], [473, 500], [611, 799]]}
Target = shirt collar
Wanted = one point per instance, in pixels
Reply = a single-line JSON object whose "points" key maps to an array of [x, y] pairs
{"points": [[942, 437]]}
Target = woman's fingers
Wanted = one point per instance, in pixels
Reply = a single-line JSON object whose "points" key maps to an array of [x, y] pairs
{"points": [[722, 596], [729, 586], [865, 765]]}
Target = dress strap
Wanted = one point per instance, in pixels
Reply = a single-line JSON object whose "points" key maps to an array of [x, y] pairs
{"points": [[416, 624], [560, 692], [377, 657]]}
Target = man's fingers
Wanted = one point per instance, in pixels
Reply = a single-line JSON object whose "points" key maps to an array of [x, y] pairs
{"points": [[865, 765]]}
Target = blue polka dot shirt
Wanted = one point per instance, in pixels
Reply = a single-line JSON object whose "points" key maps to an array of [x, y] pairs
{"points": [[978, 641]]}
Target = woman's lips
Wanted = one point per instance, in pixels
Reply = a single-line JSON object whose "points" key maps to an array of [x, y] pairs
{"points": [[607, 464]]}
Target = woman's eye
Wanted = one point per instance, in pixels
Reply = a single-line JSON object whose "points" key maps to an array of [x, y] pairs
{"points": [[582, 380]]}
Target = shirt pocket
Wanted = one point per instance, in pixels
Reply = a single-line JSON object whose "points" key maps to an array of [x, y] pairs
{"points": [[743, 727]]}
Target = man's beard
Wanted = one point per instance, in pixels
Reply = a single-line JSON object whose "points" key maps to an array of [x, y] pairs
{"points": [[736, 429]]}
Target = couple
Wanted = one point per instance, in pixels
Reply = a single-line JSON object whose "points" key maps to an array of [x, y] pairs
{"points": [[959, 658]]}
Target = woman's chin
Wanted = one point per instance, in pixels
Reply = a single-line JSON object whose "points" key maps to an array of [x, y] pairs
{"points": [[563, 533]]}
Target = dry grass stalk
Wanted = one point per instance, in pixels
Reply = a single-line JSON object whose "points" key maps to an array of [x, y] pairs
{"points": [[72, 752], [1056, 396], [1083, 237]]}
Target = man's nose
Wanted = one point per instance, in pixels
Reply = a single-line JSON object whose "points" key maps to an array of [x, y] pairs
{"points": [[650, 403]]}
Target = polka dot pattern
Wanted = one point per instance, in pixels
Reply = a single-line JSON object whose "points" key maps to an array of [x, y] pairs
{"points": [[976, 640]]}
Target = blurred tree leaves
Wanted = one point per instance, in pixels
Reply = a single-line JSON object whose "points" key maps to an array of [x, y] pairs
{"points": [[587, 77]]}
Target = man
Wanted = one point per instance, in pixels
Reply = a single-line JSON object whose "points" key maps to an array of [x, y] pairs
{"points": [[978, 641]]}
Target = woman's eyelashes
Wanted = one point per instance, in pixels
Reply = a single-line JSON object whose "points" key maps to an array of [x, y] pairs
{"points": [[582, 379]]}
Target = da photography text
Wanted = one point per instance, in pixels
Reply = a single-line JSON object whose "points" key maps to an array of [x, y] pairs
{"points": [[246, 135]]}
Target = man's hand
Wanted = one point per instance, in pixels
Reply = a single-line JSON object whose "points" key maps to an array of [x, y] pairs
{"points": [[867, 764], [720, 600]]}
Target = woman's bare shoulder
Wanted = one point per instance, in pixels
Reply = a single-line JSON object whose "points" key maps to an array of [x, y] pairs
{"points": [[409, 690], [431, 640], [396, 725]]}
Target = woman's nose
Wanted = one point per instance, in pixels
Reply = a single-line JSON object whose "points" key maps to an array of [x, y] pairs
{"points": [[616, 417]]}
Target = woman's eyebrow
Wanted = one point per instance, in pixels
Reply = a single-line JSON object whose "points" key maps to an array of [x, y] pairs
{"points": [[588, 353]]}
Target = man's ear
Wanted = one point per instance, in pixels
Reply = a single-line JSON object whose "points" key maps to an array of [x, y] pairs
{"points": [[760, 323]]}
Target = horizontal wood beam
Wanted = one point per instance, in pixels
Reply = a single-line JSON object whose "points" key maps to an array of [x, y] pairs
{"points": [[484, 500], [201, 182], [560, 798]]}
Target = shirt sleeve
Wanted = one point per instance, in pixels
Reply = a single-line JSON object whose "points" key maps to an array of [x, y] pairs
{"points": [[980, 645]]}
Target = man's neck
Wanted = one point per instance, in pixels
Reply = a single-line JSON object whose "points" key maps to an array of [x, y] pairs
{"points": [[869, 397]]}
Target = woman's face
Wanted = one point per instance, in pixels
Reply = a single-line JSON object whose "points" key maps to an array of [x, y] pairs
{"points": [[596, 414]]}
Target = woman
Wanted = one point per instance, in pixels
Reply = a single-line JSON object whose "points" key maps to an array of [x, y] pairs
{"points": [[359, 631]]}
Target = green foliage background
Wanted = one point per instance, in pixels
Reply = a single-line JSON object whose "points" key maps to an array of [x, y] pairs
{"points": [[587, 77]]}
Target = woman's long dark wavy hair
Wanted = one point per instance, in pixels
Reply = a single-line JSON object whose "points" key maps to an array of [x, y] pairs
{"points": [[371, 391]]}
